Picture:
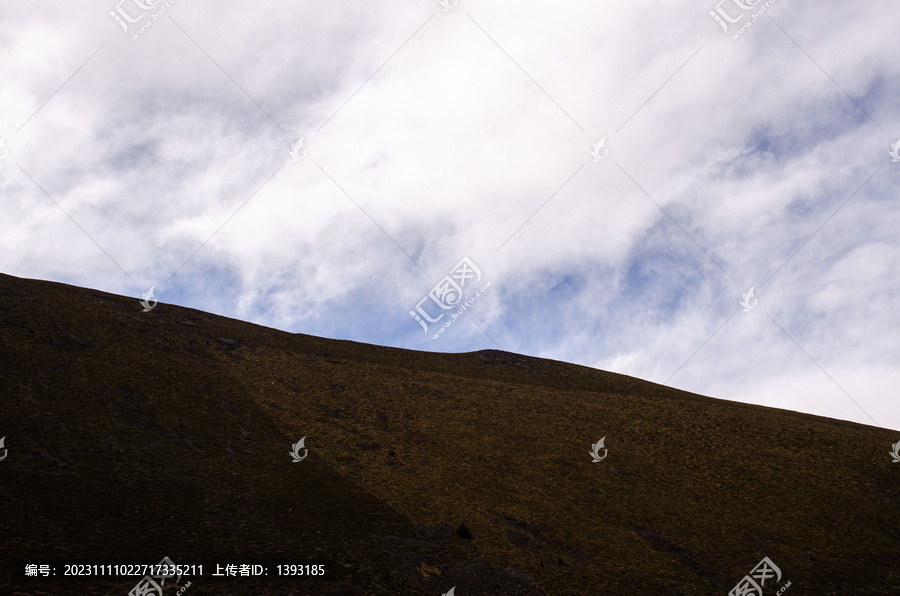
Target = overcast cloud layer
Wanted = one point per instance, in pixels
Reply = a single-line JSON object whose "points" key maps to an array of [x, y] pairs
{"points": [[160, 157]]}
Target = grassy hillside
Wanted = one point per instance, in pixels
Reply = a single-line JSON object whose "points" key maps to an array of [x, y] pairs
{"points": [[133, 436]]}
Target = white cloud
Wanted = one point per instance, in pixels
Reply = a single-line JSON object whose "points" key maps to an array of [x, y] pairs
{"points": [[451, 147]]}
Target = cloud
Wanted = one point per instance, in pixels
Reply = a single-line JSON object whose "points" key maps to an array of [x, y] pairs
{"points": [[758, 161]]}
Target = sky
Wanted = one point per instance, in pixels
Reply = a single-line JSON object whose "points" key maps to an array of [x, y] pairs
{"points": [[695, 193]]}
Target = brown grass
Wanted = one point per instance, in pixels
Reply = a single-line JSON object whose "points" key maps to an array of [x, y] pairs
{"points": [[134, 436]]}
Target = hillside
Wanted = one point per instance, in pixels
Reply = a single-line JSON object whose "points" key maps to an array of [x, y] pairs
{"points": [[135, 435]]}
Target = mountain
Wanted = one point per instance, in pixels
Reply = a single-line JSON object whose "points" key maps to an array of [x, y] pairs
{"points": [[133, 436]]}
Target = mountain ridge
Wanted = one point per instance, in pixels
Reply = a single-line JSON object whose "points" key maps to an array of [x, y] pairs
{"points": [[166, 433]]}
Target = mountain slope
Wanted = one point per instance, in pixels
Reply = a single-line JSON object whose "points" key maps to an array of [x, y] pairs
{"points": [[133, 436]]}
